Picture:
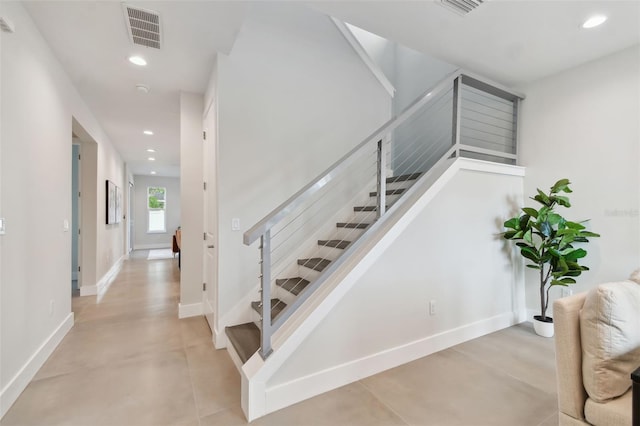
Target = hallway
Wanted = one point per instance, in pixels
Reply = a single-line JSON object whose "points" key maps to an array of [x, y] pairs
{"points": [[129, 361]]}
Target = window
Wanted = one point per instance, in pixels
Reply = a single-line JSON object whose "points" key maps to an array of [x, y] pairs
{"points": [[156, 208]]}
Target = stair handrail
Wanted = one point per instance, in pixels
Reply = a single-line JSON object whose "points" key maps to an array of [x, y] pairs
{"points": [[263, 229], [273, 218]]}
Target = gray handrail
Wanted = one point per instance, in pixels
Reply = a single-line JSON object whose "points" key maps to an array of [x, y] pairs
{"points": [[270, 220]]}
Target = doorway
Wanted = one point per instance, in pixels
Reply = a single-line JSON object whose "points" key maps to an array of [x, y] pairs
{"points": [[210, 251], [75, 218], [131, 217]]}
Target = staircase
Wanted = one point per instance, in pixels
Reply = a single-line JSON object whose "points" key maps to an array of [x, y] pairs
{"points": [[245, 338], [315, 244]]}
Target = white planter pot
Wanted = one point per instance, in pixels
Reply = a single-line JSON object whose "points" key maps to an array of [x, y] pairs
{"points": [[544, 329]]}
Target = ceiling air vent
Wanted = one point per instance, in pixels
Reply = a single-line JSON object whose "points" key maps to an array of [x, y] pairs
{"points": [[143, 26], [461, 7]]}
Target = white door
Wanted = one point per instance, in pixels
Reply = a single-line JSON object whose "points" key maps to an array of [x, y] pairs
{"points": [[75, 220], [210, 294], [131, 218]]}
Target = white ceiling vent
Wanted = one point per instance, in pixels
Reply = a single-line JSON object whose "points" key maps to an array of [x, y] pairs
{"points": [[461, 7], [143, 26]]}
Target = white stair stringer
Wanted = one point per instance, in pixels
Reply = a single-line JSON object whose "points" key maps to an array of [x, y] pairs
{"points": [[259, 399]]}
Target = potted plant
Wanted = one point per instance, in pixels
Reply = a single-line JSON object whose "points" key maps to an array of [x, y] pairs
{"points": [[546, 240]]}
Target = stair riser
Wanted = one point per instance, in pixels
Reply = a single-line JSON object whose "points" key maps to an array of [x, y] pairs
{"points": [[284, 295], [347, 234], [328, 252], [308, 273], [404, 184], [366, 217], [390, 199]]}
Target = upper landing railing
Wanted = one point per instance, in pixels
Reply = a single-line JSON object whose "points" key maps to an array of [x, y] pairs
{"points": [[461, 116]]}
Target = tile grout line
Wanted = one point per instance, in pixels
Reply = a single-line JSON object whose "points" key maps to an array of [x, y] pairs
{"points": [[372, 393]]}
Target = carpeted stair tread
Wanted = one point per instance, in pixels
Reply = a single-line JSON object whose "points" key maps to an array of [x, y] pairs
{"points": [[315, 263], [245, 338], [403, 178], [355, 225], [340, 244], [277, 306], [293, 285], [388, 192]]}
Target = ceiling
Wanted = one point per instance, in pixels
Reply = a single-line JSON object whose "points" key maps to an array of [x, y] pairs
{"points": [[91, 41], [510, 41]]}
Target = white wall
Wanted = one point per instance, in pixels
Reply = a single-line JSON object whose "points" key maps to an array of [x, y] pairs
{"points": [[192, 198], [583, 124], [293, 98], [142, 238], [38, 103], [456, 259], [416, 72], [411, 72]]}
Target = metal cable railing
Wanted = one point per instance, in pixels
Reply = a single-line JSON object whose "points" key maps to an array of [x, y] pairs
{"points": [[304, 240]]}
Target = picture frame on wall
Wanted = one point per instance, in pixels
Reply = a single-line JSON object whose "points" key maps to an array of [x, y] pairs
{"points": [[118, 205], [111, 201]]}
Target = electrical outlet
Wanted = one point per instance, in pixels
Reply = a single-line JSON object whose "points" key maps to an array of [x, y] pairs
{"points": [[432, 307]]}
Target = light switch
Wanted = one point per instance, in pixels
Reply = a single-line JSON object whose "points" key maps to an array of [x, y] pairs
{"points": [[235, 224], [65, 225], [1, 225]]}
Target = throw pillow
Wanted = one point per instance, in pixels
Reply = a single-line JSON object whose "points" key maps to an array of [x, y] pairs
{"points": [[610, 333]]}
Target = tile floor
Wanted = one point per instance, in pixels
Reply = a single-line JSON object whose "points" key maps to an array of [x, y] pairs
{"points": [[129, 361]]}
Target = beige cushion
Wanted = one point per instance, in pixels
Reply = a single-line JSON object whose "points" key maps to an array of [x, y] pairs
{"points": [[610, 334], [615, 412], [635, 276]]}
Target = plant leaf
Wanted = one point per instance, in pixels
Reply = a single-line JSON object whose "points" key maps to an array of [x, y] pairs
{"points": [[530, 254], [588, 234], [530, 211], [545, 229], [562, 200], [561, 185], [575, 254], [574, 225], [512, 223], [542, 198]]}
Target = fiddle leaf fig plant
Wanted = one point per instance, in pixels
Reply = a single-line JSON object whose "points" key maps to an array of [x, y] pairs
{"points": [[546, 240]]}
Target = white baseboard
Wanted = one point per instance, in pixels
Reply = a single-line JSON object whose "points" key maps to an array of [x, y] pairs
{"points": [[151, 246], [19, 382], [191, 310], [220, 339], [103, 284], [286, 394], [107, 279], [88, 290]]}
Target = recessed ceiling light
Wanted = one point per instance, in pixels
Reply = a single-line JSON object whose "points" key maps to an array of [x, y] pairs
{"points": [[594, 21], [153, 172], [151, 159], [151, 150], [148, 132], [137, 60]]}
